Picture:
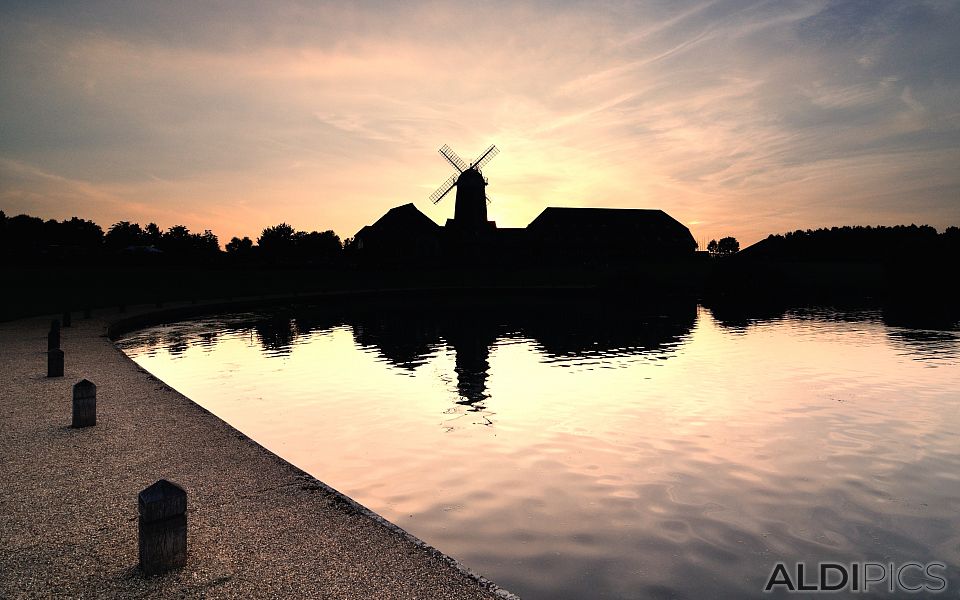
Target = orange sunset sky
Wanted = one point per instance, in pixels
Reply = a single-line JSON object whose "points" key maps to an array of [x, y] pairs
{"points": [[737, 118]]}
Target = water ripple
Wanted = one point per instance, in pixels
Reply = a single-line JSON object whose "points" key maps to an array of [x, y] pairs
{"points": [[664, 456]]}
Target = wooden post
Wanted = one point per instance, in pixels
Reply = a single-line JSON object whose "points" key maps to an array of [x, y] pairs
{"points": [[123, 308], [67, 320], [87, 312], [84, 404], [53, 336], [55, 363], [163, 527]]}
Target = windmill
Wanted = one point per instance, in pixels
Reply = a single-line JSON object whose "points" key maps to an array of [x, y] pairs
{"points": [[471, 206]]}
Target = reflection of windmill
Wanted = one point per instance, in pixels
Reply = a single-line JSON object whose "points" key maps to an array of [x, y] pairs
{"points": [[471, 206]]}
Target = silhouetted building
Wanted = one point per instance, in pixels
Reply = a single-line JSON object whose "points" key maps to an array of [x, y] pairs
{"points": [[404, 233], [561, 236], [470, 211], [557, 235], [609, 234]]}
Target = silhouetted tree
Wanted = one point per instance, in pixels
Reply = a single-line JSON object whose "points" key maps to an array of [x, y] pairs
{"points": [[282, 243], [951, 241], [239, 247], [34, 239], [79, 233], [180, 244], [24, 236], [208, 243], [317, 246], [728, 245], [276, 243], [124, 234], [176, 240], [859, 243], [152, 234]]}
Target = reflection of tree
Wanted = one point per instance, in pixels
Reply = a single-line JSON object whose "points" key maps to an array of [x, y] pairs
{"points": [[741, 313], [921, 344], [919, 332], [176, 342], [207, 339], [276, 335], [942, 314]]}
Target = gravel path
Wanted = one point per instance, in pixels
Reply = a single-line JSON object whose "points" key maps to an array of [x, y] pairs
{"points": [[258, 527]]}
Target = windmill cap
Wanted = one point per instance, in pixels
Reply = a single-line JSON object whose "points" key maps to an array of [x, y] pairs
{"points": [[471, 176]]}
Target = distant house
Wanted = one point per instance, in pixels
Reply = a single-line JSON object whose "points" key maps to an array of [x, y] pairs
{"points": [[404, 233]]}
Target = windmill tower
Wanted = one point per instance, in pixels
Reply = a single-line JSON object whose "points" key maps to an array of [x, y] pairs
{"points": [[470, 212]]}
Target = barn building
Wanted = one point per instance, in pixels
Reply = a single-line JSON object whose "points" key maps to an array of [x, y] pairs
{"points": [[557, 235]]}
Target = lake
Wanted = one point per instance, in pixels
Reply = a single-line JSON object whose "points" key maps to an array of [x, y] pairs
{"points": [[586, 448]]}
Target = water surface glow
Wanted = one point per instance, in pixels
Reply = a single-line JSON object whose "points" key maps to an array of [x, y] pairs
{"points": [[571, 451]]}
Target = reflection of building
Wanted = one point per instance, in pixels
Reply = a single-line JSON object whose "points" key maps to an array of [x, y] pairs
{"points": [[407, 336], [408, 331]]}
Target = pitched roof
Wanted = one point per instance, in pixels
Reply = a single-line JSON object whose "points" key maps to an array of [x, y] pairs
{"points": [[605, 218], [407, 215]]}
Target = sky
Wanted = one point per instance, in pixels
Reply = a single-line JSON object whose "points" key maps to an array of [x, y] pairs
{"points": [[736, 117]]}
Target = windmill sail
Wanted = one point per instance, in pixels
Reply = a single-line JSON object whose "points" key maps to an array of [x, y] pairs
{"points": [[464, 170], [486, 157], [451, 156], [444, 189]]}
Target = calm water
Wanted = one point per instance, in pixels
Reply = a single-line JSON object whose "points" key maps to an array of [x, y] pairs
{"points": [[576, 450]]}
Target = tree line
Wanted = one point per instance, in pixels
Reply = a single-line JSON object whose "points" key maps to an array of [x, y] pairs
{"points": [[859, 243], [32, 240], [25, 239]]}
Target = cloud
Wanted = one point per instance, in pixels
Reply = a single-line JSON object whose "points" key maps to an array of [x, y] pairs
{"points": [[745, 117]]}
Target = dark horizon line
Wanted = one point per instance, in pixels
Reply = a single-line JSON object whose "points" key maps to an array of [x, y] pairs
{"points": [[344, 241]]}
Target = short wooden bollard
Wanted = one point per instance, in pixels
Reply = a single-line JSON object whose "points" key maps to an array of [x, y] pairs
{"points": [[122, 308], [55, 363], [53, 337], [87, 313], [67, 319], [84, 404], [163, 527]]}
